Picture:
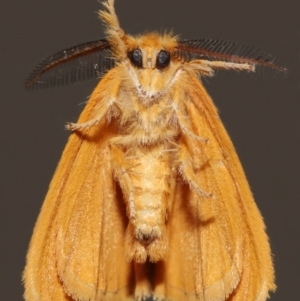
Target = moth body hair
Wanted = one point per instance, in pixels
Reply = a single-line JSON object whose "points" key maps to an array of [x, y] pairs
{"points": [[149, 198]]}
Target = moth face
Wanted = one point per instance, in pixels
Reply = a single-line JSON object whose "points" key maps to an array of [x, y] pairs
{"points": [[150, 61], [149, 58]]}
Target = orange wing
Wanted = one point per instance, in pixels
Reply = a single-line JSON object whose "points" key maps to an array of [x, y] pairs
{"points": [[77, 248], [218, 246]]}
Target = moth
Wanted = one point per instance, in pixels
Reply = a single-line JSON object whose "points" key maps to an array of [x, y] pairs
{"points": [[149, 197]]}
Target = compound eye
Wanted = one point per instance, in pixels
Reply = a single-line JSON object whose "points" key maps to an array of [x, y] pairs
{"points": [[136, 58], [163, 59]]}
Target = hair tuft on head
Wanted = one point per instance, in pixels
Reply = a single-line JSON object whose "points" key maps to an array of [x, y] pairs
{"points": [[115, 34]]}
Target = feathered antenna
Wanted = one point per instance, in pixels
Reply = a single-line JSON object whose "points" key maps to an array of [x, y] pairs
{"points": [[227, 51], [115, 34], [72, 65]]}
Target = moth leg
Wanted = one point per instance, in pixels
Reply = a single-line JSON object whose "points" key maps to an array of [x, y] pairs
{"points": [[222, 65], [185, 127], [120, 169], [187, 172], [159, 286], [142, 283], [102, 112], [106, 104]]}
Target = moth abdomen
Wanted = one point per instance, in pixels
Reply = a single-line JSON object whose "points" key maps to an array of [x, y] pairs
{"points": [[146, 181]]}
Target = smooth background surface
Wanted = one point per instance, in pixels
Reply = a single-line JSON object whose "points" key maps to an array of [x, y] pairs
{"points": [[261, 114]]}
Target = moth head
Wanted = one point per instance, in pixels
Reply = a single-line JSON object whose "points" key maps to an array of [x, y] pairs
{"points": [[150, 51], [148, 57], [149, 61]]}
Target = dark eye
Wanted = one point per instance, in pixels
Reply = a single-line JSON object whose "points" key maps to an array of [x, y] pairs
{"points": [[163, 59], [136, 58]]}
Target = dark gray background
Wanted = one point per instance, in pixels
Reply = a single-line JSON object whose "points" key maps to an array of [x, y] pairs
{"points": [[261, 114]]}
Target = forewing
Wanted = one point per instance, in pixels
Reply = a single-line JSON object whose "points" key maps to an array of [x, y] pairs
{"points": [[77, 247], [218, 246]]}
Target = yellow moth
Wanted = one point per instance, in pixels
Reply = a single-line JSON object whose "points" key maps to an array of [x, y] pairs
{"points": [[149, 197]]}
